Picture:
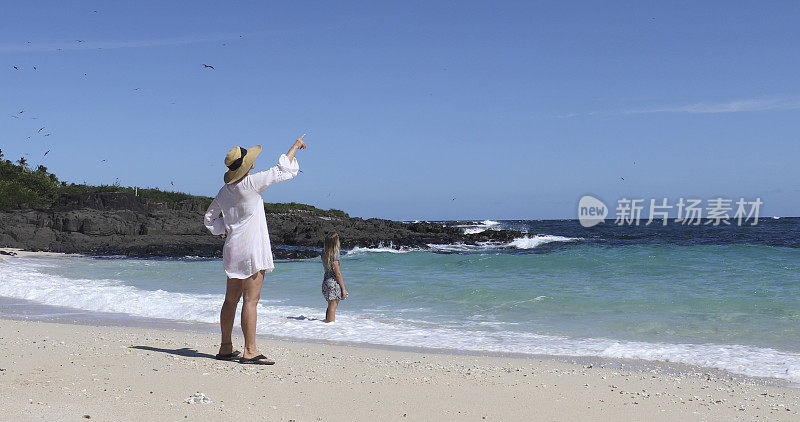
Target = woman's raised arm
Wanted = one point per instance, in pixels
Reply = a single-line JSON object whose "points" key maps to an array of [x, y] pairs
{"points": [[298, 144], [286, 169]]}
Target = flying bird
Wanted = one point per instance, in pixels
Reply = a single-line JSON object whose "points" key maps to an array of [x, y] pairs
{"points": [[40, 129], [21, 111], [622, 178], [207, 65], [16, 68], [34, 68], [171, 183], [48, 151], [79, 40], [47, 134]]}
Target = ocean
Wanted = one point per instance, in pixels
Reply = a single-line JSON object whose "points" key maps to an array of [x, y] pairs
{"points": [[723, 297]]}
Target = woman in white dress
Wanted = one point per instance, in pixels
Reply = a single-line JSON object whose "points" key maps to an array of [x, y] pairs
{"points": [[247, 254]]}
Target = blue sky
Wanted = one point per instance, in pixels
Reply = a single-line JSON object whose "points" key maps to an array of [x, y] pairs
{"points": [[414, 110]]}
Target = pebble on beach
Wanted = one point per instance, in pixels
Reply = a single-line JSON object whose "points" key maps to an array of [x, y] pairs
{"points": [[197, 397]]}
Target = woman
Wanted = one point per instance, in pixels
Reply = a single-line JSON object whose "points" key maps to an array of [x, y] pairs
{"points": [[247, 254]]}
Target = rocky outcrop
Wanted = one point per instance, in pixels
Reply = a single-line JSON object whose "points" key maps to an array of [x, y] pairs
{"points": [[124, 224], [309, 230]]}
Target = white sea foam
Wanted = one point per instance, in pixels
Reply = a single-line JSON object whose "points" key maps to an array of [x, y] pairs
{"points": [[474, 230], [526, 242], [22, 279], [462, 247], [530, 242], [447, 248], [380, 248], [480, 227], [487, 223]]}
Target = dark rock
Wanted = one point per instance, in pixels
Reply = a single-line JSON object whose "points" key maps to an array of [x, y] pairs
{"points": [[124, 224]]}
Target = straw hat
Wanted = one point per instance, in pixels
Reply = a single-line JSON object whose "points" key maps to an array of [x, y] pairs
{"points": [[239, 161]]}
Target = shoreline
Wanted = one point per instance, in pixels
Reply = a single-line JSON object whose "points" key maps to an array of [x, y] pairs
{"points": [[21, 253], [59, 371], [71, 316]]}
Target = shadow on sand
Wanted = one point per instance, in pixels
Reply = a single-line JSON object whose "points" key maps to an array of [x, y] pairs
{"points": [[184, 351]]}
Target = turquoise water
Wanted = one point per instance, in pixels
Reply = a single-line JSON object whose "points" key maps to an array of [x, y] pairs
{"points": [[734, 294]]}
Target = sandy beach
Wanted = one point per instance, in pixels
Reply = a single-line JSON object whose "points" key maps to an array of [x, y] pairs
{"points": [[56, 371], [19, 253]]}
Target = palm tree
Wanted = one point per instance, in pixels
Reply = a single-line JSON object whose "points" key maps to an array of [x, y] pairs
{"points": [[1, 154], [41, 169], [22, 162]]}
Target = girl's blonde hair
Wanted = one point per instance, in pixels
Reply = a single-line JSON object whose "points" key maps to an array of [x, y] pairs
{"points": [[330, 252]]}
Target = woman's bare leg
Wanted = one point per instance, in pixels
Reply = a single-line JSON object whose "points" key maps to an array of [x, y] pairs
{"points": [[233, 293], [251, 292], [330, 313]]}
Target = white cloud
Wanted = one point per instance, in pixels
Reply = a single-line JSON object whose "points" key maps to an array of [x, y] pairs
{"points": [[108, 45], [97, 45], [729, 107], [756, 104]]}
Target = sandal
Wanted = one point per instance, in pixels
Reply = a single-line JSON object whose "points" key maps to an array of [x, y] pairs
{"points": [[258, 360], [228, 356]]}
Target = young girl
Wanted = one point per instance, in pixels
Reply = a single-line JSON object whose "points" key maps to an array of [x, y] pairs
{"points": [[332, 284]]}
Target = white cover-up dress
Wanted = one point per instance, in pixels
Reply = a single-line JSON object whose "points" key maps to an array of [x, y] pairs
{"points": [[247, 249]]}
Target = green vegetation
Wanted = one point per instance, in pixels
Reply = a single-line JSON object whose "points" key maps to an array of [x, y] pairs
{"points": [[279, 208], [20, 187], [153, 194]]}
